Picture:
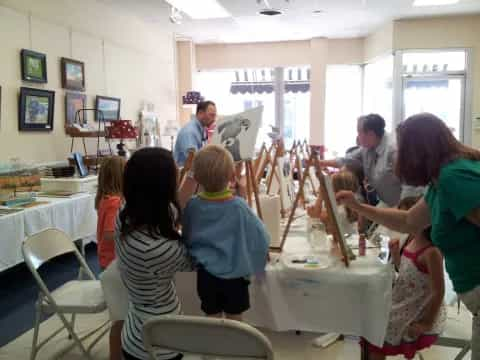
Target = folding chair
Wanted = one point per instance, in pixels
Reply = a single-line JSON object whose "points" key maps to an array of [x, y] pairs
{"points": [[205, 336], [73, 297]]}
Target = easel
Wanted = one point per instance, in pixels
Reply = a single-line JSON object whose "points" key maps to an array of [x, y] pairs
{"points": [[258, 160], [313, 161], [279, 153], [263, 163], [252, 187], [187, 166]]}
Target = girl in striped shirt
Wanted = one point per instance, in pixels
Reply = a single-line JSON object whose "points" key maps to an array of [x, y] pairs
{"points": [[148, 246]]}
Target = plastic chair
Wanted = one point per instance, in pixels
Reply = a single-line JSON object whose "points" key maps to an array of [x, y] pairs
{"points": [[205, 336], [73, 297]]}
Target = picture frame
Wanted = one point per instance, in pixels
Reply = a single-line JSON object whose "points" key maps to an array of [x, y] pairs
{"points": [[73, 74], [36, 109], [34, 66], [73, 103], [109, 107]]}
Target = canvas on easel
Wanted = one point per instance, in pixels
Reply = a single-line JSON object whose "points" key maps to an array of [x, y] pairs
{"points": [[328, 195], [330, 201], [238, 134]]}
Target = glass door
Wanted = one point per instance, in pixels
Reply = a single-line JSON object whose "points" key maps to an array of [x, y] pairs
{"points": [[435, 81], [441, 96]]}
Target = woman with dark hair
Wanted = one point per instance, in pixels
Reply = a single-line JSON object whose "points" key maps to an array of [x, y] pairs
{"points": [[429, 154], [148, 246]]}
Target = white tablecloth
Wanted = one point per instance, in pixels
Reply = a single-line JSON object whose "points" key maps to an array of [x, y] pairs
{"points": [[352, 301], [76, 216]]}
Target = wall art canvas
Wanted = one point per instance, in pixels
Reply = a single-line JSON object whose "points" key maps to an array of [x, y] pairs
{"points": [[73, 103], [107, 106], [73, 74], [238, 133], [34, 66], [36, 109]]}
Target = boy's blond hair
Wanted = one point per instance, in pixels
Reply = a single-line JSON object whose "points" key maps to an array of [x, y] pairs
{"points": [[213, 168]]}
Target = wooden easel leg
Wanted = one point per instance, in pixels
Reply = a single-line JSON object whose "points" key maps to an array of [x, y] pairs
{"points": [[295, 204], [251, 174], [249, 185]]}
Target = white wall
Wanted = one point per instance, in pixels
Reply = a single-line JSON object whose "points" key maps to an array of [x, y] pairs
{"points": [[124, 57], [379, 42]]}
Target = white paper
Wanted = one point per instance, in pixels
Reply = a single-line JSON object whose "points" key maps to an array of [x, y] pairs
{"points": [[238, 133]]}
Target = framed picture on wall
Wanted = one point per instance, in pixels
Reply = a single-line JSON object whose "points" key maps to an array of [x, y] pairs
{"points": [[109, 107], [73, 74], [73, 103], [36, 109], [34, 66]]}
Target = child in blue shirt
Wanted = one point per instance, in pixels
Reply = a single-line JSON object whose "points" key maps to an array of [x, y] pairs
{"points": [[227, 240]]}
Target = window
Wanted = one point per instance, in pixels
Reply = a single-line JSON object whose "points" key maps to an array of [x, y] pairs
{"points": [[343, 105], [240, 89], [296, 104], [434, 81]]}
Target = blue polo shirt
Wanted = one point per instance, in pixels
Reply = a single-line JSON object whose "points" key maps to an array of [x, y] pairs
{"points": [[191, 136]]}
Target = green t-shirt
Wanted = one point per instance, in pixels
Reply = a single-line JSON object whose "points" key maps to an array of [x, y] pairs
{"points": [[450, 200]]}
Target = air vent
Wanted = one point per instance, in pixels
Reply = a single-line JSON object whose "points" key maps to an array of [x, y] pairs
{"points": [[270, 12]]}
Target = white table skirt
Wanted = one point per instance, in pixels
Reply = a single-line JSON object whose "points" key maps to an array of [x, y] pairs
{"points": [[353, 301], [76, 216]]}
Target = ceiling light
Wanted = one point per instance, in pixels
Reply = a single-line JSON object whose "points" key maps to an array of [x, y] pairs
{"points": [[434, 2], [270, 12], [197, 10]]}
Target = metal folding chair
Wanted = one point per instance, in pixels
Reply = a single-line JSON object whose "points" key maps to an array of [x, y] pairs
{"points": [[74, 297], [205, 336]]}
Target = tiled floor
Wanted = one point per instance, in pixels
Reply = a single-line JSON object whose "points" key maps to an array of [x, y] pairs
{"points": [[287, 346]]}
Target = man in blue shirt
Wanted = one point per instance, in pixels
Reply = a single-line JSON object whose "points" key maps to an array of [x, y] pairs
{"points": [[193, 134]]}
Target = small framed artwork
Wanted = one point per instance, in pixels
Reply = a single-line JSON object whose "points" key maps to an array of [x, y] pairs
{"points": [[109, 107], [73, 103], [73, 74], [36, 109], [34, 66]]}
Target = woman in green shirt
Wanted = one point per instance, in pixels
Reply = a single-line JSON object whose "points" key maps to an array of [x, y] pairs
{"points": [[428, 154]]}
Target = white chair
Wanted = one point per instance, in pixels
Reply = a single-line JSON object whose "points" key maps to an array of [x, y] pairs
{"points": [[205, 336], [73, 297]]}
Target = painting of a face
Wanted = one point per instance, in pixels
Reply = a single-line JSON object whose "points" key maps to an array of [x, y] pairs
{"points": [[36, 110]]}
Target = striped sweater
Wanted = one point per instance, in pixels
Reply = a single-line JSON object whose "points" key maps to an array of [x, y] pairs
{"points": [[147, 267]]}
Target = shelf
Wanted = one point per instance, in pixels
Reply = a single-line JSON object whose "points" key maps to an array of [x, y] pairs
{"points": [[76, 133]]}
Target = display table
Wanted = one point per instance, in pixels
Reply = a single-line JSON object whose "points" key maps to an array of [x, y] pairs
{"points": [[76, 216], [351, 301]]}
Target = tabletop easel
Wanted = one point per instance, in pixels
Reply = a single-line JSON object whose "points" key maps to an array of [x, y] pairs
{"points": [[252, 188], [327, 196], [263, 163]]}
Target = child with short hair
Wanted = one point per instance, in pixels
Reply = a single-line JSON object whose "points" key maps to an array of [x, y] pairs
{"points": [[227, 240], [418, 313], [107, 203]]}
